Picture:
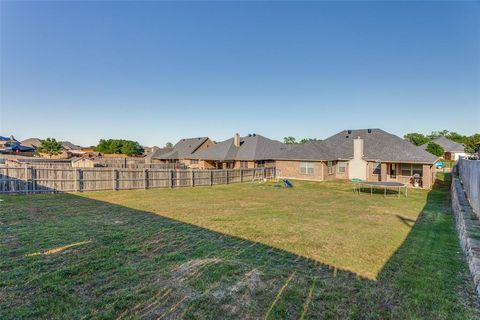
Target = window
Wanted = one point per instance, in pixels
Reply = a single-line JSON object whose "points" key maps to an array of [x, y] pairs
{"points": [[330, 167], [194, 161], [417, 168], [306, 167], [393, 170], [243, 164], [377, 168], [342, 166], [261, 164], [406, 169]]}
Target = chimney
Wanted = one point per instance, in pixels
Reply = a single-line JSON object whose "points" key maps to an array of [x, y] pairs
{"points": [[236, 140], [358, 148]]}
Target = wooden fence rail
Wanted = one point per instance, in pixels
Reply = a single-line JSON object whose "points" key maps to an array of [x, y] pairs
{"points": [[32, 179]]}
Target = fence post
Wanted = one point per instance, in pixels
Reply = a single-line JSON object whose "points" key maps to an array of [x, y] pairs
{"points": [[193, 178], [80, 180], [170, 174], [75, 179], [26, 179], [241, 175], [114, 179], [33, 173], [227, 175], [145, 181], [211, 177]]}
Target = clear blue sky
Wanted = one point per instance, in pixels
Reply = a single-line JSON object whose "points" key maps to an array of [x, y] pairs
{"points": [[155, 72]]}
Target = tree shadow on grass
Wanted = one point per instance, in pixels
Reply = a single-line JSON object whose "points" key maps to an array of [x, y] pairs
{"points": [[134, 263]]}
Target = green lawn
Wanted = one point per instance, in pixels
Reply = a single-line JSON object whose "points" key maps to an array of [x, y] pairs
{"points": [[233, 251]]}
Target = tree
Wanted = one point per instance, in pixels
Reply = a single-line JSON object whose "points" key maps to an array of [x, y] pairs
{"points": [[472, 143], [289, 140], [50, 146], [305, 140], [435, 149], [168, 145], [416, 138], [119, 146]]}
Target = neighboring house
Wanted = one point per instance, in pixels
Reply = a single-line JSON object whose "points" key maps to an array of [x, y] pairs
{"points": [[367, 154], [32, 142], [156, 152], [182, 152], [453, 150], [252, 151]]}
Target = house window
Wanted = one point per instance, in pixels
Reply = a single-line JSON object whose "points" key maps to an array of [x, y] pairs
{"points": [[306, 167], [406, 169], [260, 164], [194, 161], [243, 164], [377, 168], [330, 167], [393, 170], [342, 167], [417, 168]]}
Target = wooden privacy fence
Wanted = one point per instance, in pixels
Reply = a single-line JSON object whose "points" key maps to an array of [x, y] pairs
{"points": [[43, 180], [469, 172]]}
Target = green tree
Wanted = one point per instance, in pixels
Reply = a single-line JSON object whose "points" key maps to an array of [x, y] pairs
{"points": [[289, 140], [472, 143], [435, 149], [305, 140], [50, 146], [168, 145], [119, 146], [416, 138]]}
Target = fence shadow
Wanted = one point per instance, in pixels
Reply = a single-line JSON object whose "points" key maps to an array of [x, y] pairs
{"points": [[135, 263]]}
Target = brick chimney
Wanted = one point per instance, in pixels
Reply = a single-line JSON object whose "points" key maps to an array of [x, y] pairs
{"points": [[236, 140]]}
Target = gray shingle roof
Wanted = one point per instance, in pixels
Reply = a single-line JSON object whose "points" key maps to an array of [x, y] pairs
{"points": [[158, 152], [183, 149], [309, 151], [70, 146], [447, 145], [252, 148], [32, 142], [378, 145]]}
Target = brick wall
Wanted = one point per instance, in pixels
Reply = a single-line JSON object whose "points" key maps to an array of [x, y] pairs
{"points": [[291, 169]]}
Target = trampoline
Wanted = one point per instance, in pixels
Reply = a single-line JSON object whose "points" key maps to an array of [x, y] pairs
{"points": [[391, 185]]}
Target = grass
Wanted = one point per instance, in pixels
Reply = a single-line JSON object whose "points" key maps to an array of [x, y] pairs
{"points": [[234, 251]]}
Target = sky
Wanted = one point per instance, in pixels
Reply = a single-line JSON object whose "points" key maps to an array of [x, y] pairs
{"points": [[156, 72]]}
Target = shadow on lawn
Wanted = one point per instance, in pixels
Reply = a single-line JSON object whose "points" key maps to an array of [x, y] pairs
{"points": [[140, 264]]}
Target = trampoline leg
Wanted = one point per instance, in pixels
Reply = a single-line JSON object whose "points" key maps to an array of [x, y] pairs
{"points": [[371, 192], [399, 192], [385, 192]]}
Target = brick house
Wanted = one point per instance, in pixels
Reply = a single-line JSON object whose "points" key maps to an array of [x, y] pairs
{"points": [[252, 151], [182, 152], [368, 154], [453, 150]]}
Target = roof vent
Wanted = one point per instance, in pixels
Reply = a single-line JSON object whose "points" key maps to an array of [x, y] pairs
{"points": [[254, 135], [249, 134], [349, 131], [369, 130]]}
